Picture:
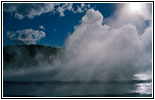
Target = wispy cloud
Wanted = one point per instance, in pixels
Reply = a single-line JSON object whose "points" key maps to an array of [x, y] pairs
{"points": [[26, 36], [42, 27], [31, 10]]}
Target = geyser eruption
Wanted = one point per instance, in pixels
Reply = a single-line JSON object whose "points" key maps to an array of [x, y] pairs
{"points": [[100, 52]]}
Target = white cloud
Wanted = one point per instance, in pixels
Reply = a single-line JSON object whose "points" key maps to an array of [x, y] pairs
{"points": [[31, 10], [26, 36], [42, 27], [79, 9]]}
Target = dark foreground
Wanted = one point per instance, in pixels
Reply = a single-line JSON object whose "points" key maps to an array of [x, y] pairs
{"points": [[77, 89]]}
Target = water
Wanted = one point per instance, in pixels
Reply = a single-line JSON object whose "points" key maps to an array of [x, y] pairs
{"points": [[135, 88]]}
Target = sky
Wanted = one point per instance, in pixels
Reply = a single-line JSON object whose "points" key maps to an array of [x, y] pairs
{"points": [[57, 25]]}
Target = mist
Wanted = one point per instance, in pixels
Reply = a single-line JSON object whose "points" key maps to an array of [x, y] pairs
{"points": [[114, 51], [103, 52]]}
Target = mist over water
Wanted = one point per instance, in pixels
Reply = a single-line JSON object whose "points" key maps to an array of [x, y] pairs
{"points": [[96, 51]]}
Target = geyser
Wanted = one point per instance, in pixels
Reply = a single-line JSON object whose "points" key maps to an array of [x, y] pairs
{"points": [[101, 52]]}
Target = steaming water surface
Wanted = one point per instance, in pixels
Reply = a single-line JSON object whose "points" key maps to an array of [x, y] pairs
{"points": [[134, 88]]}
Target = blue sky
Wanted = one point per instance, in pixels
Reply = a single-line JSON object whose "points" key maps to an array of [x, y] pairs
{"points": [[57, 27]]}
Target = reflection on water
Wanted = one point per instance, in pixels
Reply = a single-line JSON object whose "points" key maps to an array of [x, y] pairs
{"points": [[139, 87], [144, 88], [51, 89]]}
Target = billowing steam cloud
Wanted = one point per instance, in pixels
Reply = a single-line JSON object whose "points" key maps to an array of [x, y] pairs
{"points": [[116, 50], [101, 52]]}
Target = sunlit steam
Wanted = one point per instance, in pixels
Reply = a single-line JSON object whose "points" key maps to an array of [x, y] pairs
{"points": [[135, 7]]}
